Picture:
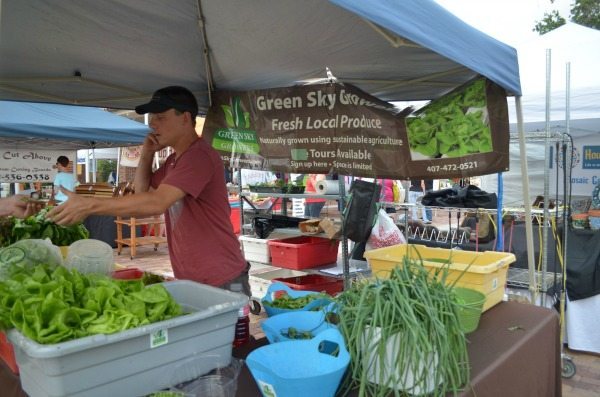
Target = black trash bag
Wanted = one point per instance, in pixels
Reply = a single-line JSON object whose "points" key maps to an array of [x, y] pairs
{"points": [[360, 213], [477, 198], [262, 227], [467, 197]]}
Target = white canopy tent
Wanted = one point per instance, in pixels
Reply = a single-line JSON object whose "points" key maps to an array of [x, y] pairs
{"points": [[572, 43], [580, 46]]}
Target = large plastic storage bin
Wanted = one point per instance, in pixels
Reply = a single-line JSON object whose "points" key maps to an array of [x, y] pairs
{"points": [[303, 252], [486, 273], [134, 362], [314, 282], [257, 250]]}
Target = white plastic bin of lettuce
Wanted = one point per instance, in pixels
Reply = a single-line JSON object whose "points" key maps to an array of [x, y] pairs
{"points": [[137, 361]]}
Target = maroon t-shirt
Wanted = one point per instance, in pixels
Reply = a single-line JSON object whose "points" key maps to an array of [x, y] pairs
{"points": [[202, 245]]}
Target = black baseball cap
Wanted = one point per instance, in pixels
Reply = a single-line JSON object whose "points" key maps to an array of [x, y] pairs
{"points": [[172, 97]]}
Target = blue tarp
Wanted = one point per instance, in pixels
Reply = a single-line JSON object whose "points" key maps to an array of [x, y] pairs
{"points": [[24, 120], [428, 24]]}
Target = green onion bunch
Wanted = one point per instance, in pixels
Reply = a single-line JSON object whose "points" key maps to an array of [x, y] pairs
{"points": [[403, 334]]}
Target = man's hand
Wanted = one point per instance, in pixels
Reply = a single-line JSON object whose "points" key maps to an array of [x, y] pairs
{"points": [[19, 206], [72, 211], [151, 144]]}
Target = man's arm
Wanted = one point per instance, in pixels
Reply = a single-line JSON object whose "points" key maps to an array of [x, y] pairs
{"points": [[140, 204], [18, 206], [143, 173]]}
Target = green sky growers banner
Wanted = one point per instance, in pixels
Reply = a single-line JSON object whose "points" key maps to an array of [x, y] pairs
{"points": [[339, 128]]}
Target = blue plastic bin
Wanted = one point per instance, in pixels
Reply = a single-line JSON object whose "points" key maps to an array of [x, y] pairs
{"points": [[300, 368], [272, 311], [275, 328]]}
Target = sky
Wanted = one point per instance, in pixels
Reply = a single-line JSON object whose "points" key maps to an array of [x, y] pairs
{"points": [[510, 21]]}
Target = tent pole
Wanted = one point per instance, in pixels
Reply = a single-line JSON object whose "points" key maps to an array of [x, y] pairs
{"points": [[546, 219], [206, 53], [95, 165], [87, 166], [118, 166], [499, 227], [527, 202]]}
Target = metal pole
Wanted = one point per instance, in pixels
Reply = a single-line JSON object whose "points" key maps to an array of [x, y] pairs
{"points": [[118, 167], [87, 166], [345, 259], [95, 165], [567, 190], [546, 179], [527, 202]]}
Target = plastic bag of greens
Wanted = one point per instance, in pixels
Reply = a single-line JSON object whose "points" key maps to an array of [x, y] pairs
{"points": [[29, 253]]}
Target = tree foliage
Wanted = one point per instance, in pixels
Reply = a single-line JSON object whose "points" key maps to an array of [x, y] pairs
{"points": [[105, 167], [583, 12]]}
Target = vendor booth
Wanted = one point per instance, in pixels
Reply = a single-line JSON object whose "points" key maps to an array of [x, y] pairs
{"points": [[26, 126], [388, 50]]}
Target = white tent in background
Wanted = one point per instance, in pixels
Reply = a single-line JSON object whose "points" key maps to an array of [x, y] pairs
{"points": [[581, 47], [569, 43]]}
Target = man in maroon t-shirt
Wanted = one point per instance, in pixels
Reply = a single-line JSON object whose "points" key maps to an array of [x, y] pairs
{"points": [[189, 188]]}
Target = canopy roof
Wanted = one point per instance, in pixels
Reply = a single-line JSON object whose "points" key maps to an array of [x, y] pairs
{"points": [[52, 126], [115, 53], [572, 43]]}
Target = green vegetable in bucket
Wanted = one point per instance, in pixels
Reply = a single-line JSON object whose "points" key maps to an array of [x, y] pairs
{"points": [[284, 301], [404, 334]]}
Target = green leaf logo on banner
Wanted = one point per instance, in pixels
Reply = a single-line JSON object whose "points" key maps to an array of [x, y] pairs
{"points": [[235, 117], [237, 137]]}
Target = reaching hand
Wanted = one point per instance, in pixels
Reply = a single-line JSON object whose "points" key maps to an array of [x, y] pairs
{"points": [[72, 211], [19, 206]]}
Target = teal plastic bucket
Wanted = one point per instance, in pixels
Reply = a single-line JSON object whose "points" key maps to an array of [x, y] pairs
{"points": [[295, 325], [273, 311], [301, 368]]}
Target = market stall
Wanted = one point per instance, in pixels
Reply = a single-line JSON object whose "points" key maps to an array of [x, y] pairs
{"points": [[515, 351], [401, 50], [43, 128]]}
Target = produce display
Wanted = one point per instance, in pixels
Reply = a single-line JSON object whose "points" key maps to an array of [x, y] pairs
{"points": [[28, 253], [282, 300], [452, 126], [38, 227], [51, 304], [403, 333]]}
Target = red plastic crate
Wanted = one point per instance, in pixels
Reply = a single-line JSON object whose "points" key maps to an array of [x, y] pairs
{"points": [[132, 273], [234, 217], [313, 282], [303, 252], [7, 354]]}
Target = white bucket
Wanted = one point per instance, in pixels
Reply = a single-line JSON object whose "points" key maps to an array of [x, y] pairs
{"points": [[383, 371]]}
